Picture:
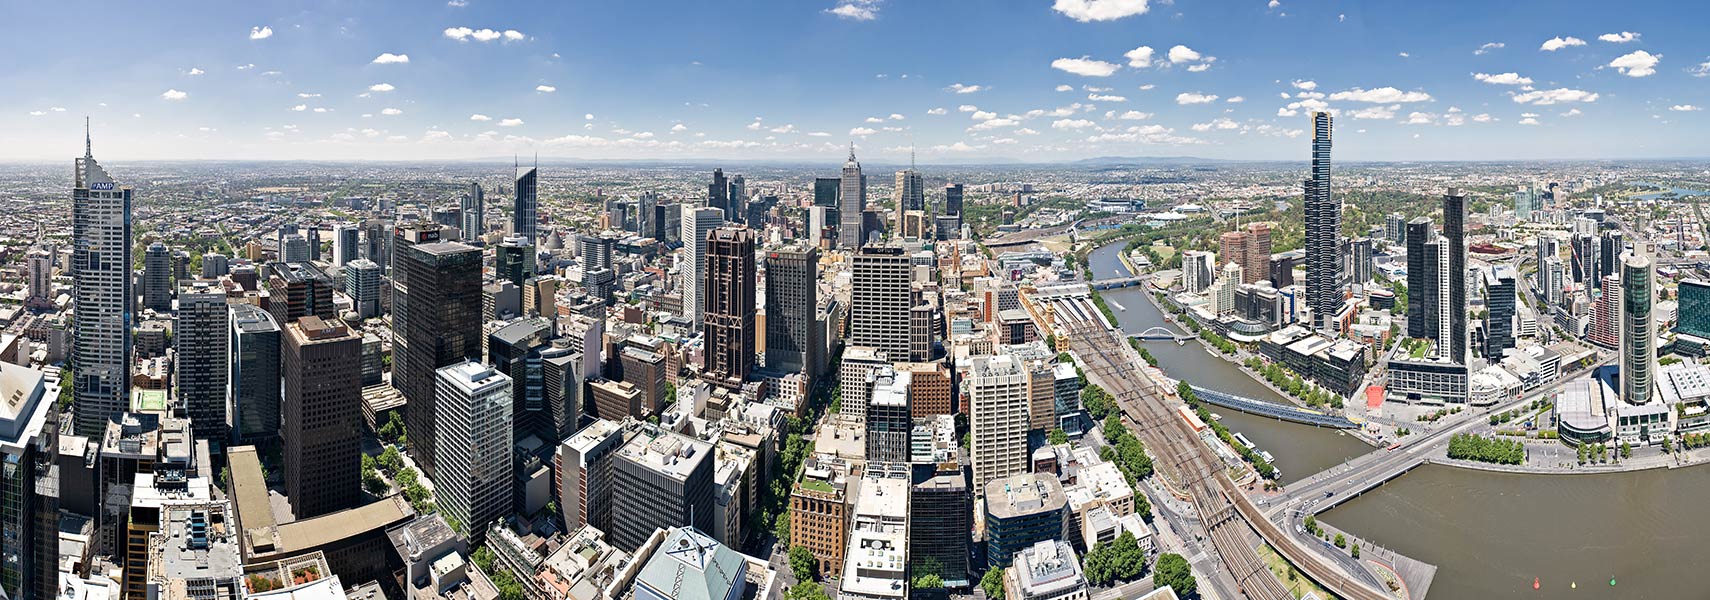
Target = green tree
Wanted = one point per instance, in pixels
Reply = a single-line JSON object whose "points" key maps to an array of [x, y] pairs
{"points": [[1173, 571], [807, 590], [393, 429], [1118, 561], [1354, 551], [929, 581], [992, 583], [803, 563], [1341, 542], [1058, 436]]}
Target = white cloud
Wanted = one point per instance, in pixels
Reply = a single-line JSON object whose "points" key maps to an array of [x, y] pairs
{"points": [[1026, 131], [1377, 112], [1071, 124], [1420, 118], [1134, 115], [1488, 46], [1403, 54], [1482, 118], [545, 89], [679, 128], [1557, 43], [388, 58], [510, 122], [862, 131], [308, 95], [1236, 99], [246, 67], [300, 108], [1529, 121], [381, 87], [875, 120], [1618, 38], [1139, 58], [1702, 70], [260, 33], [1307, 85], [897, 117], [1106, 98], [57, 109], [322, 109], [1061, 111], [1309, 104], [1218, 123], [1638, 63], [391, 112], [479, 117], [1180, 55], [1195, 98], [457, 3], [1148, 86], [1558, 95], [174, 95], [818, 134], [967, 108], [856, 10], [194, 72], [1503, 79], [1065, 88], [36, 113], [465, 34], [1382, 95], [1273, 4], [964, 89], [1685, 108], [786, 128], [979, 115], [588, 117], [994, 124], [1099, 10], [1085, 66], [1573, 113], [937, 111]]}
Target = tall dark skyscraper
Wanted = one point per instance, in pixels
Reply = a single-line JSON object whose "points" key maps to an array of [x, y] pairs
{"points": [[436, 322], [513, 260], [525, 215], [1323, 225], [792, 340], [737, 207], [101, 292], [729, 325], [953, 199], [473, 212], [1454, 230], [515, 350], [825, 191], [253, 379], [1609, 251], [718, 194], [882, 298], [200, 334], [1421, 279], [323, 394], [157, 278], [1499, 301], [299, 289], [852, 204]]}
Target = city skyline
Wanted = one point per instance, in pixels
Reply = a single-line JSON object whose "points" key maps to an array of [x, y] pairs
{"points": [[473, 80]]}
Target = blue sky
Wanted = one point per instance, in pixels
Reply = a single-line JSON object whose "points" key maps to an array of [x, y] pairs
{"points": [[1037, 80]]}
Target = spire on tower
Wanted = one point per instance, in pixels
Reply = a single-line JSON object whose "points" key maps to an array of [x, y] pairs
{"points": [[852, 150], [88, 146]]}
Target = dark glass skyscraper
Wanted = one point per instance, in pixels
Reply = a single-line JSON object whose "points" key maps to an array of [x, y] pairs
{"points": [[436, 322], [473, 211], [825, 191], [323, 394], [525, 215], [1454, 230], [1499, 302], [1323, 224], [1421, 279], [718, 194], [254, 374], [792, 340]]}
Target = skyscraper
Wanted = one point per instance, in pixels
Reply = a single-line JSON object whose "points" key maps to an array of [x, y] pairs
{"points": [[825, 191], [1323, 225], [347, 244], [1610, 247], [473, 212], [293, 247], [730, 306], [323, 394], [661, 479], [949, 224], [1638, 328], [718, 194], [738, 203], [595, 252], [157, 278], [436, 308], [1360, 263], [298, 289], [1454, 229], [852, 194], [697, 224], [561, 378], [881, 298], [997, 417], [1499, 304], [101, 290], [253, 379], [473, 418], [513, 260], [29, 490], [1694, 318], [200, 333], [909, 194], [1256, 262], [1420, 282], [1548, 247], [792, 288], [362, 284], [515, 350], [525, 215]]}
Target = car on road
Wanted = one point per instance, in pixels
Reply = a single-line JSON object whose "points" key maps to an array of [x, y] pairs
{"points": [[1329, 493]]}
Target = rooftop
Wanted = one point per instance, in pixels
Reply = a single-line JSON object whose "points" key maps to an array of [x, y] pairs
{"points": [[1048, 569], [1023, 494], [672, 454], [689, 565]]}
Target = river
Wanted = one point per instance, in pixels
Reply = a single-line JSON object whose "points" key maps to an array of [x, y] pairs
{"points": [[1489, 534]]}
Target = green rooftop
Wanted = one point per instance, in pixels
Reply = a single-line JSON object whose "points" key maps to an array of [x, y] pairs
{"points": [[148, 401]]}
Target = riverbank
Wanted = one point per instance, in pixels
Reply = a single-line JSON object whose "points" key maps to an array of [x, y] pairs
{"points": [[1648, 462]]}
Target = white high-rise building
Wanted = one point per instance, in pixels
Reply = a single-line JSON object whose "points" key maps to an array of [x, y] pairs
{"points": [[1444, 331], [852, 194], [473, 444], [997, 417], [697, 223], [1223, 291], [101, 282], [41, 274], [1198, 270], [347, 244], [909, 194], [472, 212]]}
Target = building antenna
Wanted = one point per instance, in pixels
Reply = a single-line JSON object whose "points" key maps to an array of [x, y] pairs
{"points": [[88, 146]]}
